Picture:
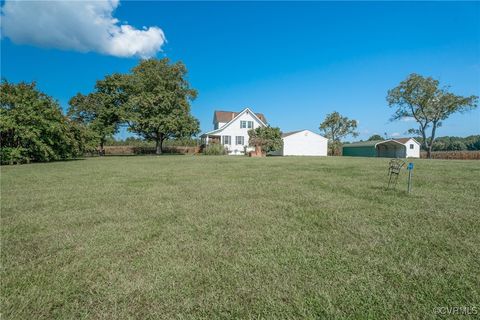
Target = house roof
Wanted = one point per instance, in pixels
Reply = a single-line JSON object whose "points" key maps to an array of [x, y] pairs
{"points": [[236, 114], [373, 143], [227, 116], [402, 140]]}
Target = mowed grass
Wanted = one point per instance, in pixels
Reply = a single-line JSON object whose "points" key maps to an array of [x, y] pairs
{"points": [[236, 237]]}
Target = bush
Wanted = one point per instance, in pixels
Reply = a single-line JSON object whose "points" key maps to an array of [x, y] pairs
{"points": [[214, 149], [14, 155], [33, 127]]}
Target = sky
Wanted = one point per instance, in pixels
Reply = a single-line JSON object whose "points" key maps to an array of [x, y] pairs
{"points": [[294, 62]]}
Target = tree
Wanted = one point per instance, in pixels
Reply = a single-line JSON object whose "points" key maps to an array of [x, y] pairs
{"points": [[335, 127], [375, 137], [158, 105], [33, 127], [101, 110], [422, 99], [268, 139]]}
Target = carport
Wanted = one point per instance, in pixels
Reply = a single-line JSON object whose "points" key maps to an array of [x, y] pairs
{"points": [[379, 148], [391, 149]]}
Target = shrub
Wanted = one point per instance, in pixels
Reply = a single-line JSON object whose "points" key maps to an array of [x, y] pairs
{"points": [[14, 155], [267, 138], [214, 149]]}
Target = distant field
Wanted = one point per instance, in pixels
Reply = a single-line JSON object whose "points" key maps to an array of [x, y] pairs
{"points": [[226, 237], [457, 155]]}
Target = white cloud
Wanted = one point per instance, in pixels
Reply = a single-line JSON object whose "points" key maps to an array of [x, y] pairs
{"points": [[407, 119], [395, 134], [77, 25]]}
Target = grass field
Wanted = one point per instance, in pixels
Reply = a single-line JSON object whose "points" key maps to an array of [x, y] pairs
{"points": [[236, 237]]}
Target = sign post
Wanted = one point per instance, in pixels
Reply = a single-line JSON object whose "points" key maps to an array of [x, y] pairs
{"points": [[410, 169]]}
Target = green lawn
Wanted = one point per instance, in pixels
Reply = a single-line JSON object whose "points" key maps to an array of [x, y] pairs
{"points": [[236, 237]]}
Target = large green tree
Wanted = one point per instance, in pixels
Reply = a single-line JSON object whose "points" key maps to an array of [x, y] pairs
{"points": [[336, 127], [159, 97], [102, 110], [267, 138], [422, 99], [33, 127]]}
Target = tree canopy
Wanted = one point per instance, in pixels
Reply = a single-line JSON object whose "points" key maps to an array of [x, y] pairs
{"points": [[158, 104], [375, 137], [336, 127], [456, 143], [33, 127], [267, 138], [102, 110], [422, 99]]}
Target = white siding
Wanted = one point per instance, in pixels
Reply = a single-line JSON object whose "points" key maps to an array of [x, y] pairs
{"points": [[233, 130], [304, 143], [218, 125], [415, 152]]}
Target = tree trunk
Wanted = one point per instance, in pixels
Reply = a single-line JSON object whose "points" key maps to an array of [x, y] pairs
{"points": [[158, 147], [432, 138], [425, 143], [159, 144], [102, 148], [429, 152]]}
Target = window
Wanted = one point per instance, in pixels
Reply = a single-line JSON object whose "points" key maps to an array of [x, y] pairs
{"points": [[243, 124], [250, 124], [239, 140], [226, 140], [411, 145]]}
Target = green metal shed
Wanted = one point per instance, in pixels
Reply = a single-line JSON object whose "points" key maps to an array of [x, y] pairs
{"points": [[377, 148]]}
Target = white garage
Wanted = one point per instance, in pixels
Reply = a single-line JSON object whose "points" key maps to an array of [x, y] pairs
{"points": [[303, 143]]}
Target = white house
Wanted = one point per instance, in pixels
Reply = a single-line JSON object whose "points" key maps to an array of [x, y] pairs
{"points": [[231, 129], [303, 143]]}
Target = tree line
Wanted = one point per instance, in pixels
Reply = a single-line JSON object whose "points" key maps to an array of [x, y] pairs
{"points": [[153, 100]]}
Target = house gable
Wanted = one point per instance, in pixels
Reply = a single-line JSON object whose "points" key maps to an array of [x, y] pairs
{"points": [[245, 113], [220, 118], [405, 141]]}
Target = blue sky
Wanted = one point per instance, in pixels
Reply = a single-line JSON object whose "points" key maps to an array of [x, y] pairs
{"points": [[294, 62]]}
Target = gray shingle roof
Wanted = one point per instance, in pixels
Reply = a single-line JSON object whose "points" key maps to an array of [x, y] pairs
{"points": [[286, 134]]}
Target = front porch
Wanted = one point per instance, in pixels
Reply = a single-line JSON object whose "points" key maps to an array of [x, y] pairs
{"points": [[210, 139]]}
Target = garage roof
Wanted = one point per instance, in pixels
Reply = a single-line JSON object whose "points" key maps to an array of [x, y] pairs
{"points": [[286, 134]]}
